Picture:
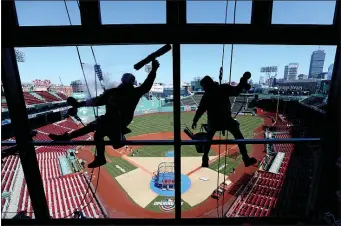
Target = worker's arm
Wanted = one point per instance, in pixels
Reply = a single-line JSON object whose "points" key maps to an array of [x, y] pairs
{"points": [[148, 83], [236, 90], [200, 111], [101, 99], [232, 90]]}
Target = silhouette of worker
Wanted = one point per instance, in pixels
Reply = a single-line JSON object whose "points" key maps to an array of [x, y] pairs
{"points": [[120, 105], [216, 102]]}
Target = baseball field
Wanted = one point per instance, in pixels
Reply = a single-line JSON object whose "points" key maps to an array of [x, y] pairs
{"points": [[127, 180]]}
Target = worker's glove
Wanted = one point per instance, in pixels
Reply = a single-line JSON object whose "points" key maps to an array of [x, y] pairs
{"points": [[73, 102], [155, 65], [244, 81], [194, 125]]}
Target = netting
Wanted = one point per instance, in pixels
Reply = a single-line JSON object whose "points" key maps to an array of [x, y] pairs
{"points": [[165, 175]]}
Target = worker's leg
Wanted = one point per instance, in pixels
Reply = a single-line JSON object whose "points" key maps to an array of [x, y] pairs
{"points": [[91, 127], [234, 128], [205, 159], [116, 137], [100, 149]]}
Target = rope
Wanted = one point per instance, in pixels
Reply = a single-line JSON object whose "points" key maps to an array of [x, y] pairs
{"points": [[220, 78], [218, 175], [226, 149], [223, 51], [79, 56], [221, 72], [93, 55], [96, 115]]}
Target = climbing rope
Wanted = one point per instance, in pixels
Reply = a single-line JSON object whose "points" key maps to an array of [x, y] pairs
{"points": [[220, 132], [96, 115], [221, 72]]}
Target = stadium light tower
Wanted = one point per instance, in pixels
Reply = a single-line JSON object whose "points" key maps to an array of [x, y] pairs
{"points": [[20, 56], [268, 71]]}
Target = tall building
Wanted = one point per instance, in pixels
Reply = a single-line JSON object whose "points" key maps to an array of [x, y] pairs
{"points": [[316, 63], [290, 71], [78, 86], [330, 71]]}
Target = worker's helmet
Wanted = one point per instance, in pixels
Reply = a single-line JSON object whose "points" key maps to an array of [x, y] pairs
{"points": [[128, 78]]}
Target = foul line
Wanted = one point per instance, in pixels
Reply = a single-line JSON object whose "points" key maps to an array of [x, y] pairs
{"points": [[137, 165]]}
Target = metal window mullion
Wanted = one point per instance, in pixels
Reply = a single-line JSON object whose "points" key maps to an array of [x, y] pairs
{"points": [[35, 36], [90, 12], [261, 13], [171, 142], [337, 12], [176, 15], [16, 106], [177, 128]]}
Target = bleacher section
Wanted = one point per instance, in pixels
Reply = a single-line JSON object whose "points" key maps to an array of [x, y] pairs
{"points": [[48, 96], [39, 97], [238, 104], [61, 95], [63, 193], [68, 123], [63, 196], [9, 168], [261, 194], [193, 100], [31, 100]]}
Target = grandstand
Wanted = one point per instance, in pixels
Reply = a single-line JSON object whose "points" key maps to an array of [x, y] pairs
{"points": [[260, 195], [64, 182], [38, 97], [238, 104], [283, 181]]}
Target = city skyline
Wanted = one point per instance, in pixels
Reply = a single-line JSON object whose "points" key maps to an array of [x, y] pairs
{"points": [[89, 73]]}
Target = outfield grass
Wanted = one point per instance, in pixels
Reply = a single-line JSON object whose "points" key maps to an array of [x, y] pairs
{"points": [[160, 151], [154, 123], [111, 167], [247, 125], [152, 207]]}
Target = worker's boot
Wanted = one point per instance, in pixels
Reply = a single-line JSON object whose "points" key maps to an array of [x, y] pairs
{"points": [[99, 161], [249, 161], [205, 161], [60, 137]]}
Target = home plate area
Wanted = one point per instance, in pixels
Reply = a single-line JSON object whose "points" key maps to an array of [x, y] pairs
{"points": [[152, 184]]}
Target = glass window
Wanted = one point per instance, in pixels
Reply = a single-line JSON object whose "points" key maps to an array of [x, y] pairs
{"points": [[219, 180], [133, 12], [214, 12], [140, 177], [43, 13], [303, 12]]}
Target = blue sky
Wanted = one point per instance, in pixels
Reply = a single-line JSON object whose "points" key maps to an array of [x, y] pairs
{"points": [[196, 60]]}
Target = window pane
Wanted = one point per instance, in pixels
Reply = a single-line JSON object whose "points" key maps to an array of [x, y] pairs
{"points": [[303, 12], [133, 12], [214, 12], [49, 76], [284, 93], [44, 13]]}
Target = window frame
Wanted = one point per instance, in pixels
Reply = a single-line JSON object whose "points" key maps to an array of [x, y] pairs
{"points": [[176, 31]]}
